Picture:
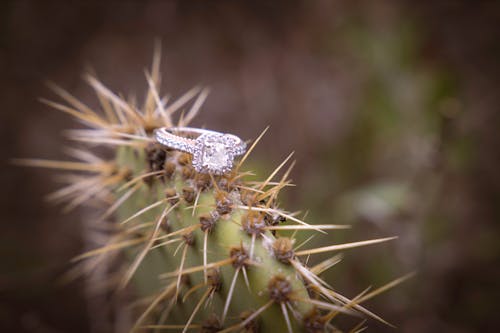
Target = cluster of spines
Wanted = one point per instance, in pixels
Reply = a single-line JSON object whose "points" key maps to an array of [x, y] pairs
{"points": [[162, 201]]}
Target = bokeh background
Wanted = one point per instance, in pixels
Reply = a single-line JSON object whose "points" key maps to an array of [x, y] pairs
{"points": [[392, 108]]}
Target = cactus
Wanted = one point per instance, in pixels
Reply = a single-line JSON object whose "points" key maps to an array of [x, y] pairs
{"points": [[212, 253]]}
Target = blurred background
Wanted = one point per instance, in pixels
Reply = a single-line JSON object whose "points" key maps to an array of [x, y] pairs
{"points": [[392, 108]]}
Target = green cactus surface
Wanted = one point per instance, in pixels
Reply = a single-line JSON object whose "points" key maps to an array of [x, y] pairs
{"points": [[197, 252]]}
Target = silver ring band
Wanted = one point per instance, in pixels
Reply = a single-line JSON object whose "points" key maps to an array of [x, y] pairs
{"points": [[213, 152]]}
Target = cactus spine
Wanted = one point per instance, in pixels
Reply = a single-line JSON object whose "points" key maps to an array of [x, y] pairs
{"points": [[202, 252]]}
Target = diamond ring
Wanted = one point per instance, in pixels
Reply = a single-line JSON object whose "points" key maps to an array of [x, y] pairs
{"points": [[213, 152]]}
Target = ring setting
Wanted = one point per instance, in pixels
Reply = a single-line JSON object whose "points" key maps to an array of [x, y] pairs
{"points": [[213, 152]]}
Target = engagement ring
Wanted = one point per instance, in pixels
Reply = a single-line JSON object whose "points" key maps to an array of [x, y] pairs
{"points": [[213, 152]]}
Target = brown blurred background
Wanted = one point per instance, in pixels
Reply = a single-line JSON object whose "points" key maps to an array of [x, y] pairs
{"points": [[392, 108]]}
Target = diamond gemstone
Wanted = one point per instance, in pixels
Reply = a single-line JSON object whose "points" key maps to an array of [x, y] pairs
{"points": [[215, 154]]}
